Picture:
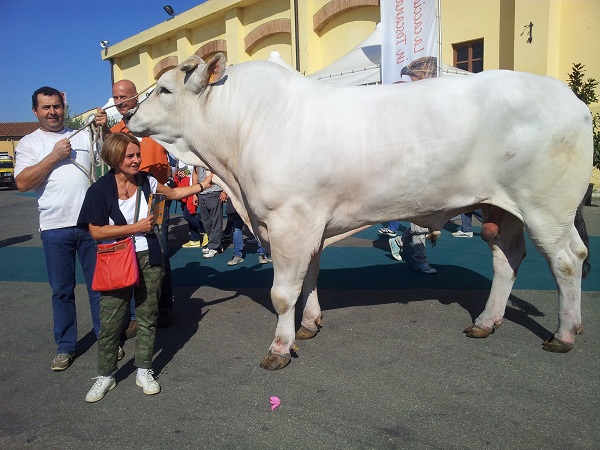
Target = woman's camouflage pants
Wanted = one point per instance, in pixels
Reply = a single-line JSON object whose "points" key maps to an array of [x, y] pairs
{"points": [[114, 310]]}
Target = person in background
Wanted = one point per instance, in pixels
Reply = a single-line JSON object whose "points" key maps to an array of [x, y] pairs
{"points": [[189, 206], [155, 162], [416, 236], [391, 230], [237, 226], [109, 212], [46, 162], [210, 206], [466, 227]]}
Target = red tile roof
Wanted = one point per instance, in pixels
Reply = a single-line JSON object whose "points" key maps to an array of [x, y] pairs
{"points": [[17, 129]]}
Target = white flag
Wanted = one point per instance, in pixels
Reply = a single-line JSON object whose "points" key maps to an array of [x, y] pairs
{"points": [[409, 47]]}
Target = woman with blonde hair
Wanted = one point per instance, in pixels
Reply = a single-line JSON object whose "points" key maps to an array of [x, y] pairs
{"points": [[109, 212]]}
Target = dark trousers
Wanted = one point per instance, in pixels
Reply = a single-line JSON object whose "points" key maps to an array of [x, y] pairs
{"points": [[211, 215], [165, 301]]}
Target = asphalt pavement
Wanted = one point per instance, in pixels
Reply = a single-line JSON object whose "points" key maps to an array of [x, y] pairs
{"points": [[391, 368]]}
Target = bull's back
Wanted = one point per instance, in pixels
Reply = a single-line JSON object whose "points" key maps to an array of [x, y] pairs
{"points": [[495, 120], [491, 136]]}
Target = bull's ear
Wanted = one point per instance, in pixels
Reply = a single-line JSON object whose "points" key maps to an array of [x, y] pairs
{"points": [[216, 68]]}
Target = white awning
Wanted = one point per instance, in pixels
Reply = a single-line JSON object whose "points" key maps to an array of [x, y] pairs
{"points": [[362, 64]]}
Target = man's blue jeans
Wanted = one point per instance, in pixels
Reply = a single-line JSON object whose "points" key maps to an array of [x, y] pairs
{"points": [[467, 219], [238, 237], [61, 246]]}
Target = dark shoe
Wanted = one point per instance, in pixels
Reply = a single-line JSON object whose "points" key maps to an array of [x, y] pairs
{"points": [[424, 267], [61, 362], [131, 330], [165, 318]]}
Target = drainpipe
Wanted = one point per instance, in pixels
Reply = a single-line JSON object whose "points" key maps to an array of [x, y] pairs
{"points": [[297, 38], [112, 73]]}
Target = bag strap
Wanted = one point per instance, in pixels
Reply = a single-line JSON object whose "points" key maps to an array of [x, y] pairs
{"points": [[138, 193], [137, 202]]}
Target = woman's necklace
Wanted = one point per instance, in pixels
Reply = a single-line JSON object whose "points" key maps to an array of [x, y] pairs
{"points": [[127, 190], [125, 187]]}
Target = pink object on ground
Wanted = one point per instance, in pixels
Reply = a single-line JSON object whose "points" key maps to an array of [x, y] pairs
{"points": [[275, 402]]}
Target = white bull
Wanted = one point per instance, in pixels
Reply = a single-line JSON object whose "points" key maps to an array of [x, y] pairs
{"points": [[309, 163]]}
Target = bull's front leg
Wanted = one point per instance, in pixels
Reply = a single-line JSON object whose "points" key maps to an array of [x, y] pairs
{"points": [[290, 264], [311, 315], [508, 251]]}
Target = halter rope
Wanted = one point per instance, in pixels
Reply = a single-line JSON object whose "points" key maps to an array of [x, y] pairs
{"points": [[96, 137]]}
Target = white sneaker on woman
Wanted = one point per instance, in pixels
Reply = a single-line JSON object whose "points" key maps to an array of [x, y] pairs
{"points": [[146, 381], [100, 388]]}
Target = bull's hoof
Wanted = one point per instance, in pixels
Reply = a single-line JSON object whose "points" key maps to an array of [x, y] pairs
{"points": [[555, 345], [579, 329], [275, 362], [304, 333], [475, 331]]}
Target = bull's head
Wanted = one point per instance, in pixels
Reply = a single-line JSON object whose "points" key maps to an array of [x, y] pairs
{"points": [[165, 114]]}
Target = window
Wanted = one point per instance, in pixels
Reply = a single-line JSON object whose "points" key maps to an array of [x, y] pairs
{"points": [[469, 55]]}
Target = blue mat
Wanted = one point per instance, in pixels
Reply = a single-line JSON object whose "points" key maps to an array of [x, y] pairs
{"points": [[461, 264]]}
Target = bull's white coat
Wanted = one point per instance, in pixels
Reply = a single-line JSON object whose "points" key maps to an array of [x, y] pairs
{"points": [[307, 163]]}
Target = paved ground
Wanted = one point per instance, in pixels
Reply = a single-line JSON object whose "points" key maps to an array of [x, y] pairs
{"points": [[390, 369]]}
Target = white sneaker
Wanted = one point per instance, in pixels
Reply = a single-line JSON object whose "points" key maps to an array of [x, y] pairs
{"points": [[263, 258], [463, 234], [100, 388], [146, 381], [210, 253], [387, 232], [396, 247], [205, 250], [120, 354], [235, 260]]}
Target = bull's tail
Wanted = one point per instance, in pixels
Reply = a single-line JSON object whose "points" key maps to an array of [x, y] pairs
{"points": [[581, 229]]}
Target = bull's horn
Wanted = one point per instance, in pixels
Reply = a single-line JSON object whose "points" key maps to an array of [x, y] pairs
{"points": [[190, 64]]}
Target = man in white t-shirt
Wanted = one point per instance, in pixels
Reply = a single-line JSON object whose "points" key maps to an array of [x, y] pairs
{"points": [[57, 167]]}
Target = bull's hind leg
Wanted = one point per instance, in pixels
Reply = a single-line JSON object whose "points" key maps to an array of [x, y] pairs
{"points": [[565, 259], [508, 251], [311, 315], [291, 258]]}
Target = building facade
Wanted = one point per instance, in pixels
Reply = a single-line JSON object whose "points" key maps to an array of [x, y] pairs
{"points": [[544, 37]]}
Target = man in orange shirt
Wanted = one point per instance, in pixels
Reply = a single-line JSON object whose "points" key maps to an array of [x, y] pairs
{"points": [[155, 161]]}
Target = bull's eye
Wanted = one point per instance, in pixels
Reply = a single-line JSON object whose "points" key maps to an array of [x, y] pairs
{"points": [[164, 90]]}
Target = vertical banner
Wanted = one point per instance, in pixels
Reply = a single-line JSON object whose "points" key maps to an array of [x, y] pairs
{"points": [[409, 48]]}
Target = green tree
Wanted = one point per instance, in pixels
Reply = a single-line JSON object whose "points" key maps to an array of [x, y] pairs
{"points": [[585, 90], [75, 123]]}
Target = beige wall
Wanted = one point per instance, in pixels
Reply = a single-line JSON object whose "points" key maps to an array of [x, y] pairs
{"points": [[564, 32]]}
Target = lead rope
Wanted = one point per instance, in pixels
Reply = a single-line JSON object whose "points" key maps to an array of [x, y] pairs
{"points": [[96, 138]]}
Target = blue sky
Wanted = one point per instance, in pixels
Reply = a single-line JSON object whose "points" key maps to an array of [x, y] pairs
{"points": [[57, 44]]}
